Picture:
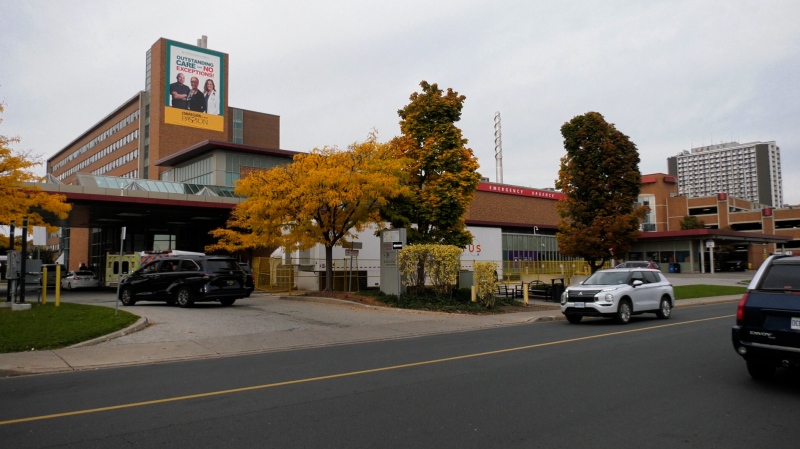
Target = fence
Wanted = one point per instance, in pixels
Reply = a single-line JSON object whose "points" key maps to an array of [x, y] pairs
{"points": [[528, 270], [276, 275]]}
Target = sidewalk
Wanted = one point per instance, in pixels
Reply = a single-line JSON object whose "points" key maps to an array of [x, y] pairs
{"points": [[260, 324]]}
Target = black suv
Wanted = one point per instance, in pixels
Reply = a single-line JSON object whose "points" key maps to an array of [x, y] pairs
{"points": [[767, 331], [186, 280]]}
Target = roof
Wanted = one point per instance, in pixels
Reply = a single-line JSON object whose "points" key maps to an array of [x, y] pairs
{"points": [[714, 234], [208, 146]]}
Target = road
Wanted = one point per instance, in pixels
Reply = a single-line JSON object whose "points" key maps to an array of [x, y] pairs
{"points": [[653, 383]]}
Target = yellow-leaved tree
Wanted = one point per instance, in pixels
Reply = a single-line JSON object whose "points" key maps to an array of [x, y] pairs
{"points": [[20, 198], [323, 197]]}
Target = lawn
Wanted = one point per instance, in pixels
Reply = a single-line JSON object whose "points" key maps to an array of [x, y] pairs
{"points": [[705, 291], [46, 326]]}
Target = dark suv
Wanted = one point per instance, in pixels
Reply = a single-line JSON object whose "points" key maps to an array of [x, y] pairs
{"points": [[767, 330], [186, 280]]}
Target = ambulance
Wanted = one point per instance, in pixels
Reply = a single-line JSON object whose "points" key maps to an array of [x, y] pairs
{"points": [[127, 263]]}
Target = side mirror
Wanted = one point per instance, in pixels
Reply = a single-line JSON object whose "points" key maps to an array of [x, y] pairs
{"points": [[636, 283]]}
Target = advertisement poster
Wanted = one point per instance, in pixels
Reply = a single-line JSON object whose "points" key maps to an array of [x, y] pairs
{"points": [[194, 91]]}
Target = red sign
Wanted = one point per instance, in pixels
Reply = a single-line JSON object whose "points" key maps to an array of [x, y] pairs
{"points": [[520, 191]]}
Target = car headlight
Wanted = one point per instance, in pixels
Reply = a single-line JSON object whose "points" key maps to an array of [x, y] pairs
{"points": [[609, 297], [564, 296]]}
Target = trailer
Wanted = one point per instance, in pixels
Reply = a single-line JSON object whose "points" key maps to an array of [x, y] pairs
{"points": [[120, 265]]}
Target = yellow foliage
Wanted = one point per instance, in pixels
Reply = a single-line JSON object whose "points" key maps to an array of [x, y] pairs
{"points": [[19, 197], [441, 265], [326, 196], [486, 282]]}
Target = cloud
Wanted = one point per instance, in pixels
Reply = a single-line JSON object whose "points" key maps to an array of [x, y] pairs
{"points": [[669, 74]]}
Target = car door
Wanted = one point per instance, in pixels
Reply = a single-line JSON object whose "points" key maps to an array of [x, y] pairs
{"points": [[643, 295], [142, 282], [168, 273]]}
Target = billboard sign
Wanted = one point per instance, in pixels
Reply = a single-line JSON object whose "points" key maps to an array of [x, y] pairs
{"points": [[194, 92]]}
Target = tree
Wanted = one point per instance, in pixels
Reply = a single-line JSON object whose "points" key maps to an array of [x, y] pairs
{"points": [[691, 222], [601, 181], [20, 198], [323, 197], [442, 171]]}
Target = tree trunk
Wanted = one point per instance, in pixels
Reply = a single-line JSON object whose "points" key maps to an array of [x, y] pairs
{"points": [[328, 269]]}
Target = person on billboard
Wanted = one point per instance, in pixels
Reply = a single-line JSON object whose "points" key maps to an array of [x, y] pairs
{"points": [[197, 102], [179, 92], [212, 101]]}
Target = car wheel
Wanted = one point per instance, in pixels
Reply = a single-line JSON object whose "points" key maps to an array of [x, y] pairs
{"points": [[126, 297], [184, 298], [574, 319], [665, 310], [623, 312], [227, 302], [760, 370]]}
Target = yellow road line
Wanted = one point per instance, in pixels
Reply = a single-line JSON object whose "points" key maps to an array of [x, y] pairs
{"points": [[341, 375]]}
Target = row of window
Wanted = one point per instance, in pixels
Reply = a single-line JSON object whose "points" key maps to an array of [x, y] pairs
{"points": [[131, 174], [101, 154], [117, 163], [192, 171], [103, 136]]}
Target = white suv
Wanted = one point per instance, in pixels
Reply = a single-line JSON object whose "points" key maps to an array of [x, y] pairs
{"points": [[619, 293]]}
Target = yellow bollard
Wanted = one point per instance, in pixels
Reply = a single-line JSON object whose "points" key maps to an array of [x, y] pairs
{"points": [[44, 285], [525, 294], [58, 285], [474, 293]]}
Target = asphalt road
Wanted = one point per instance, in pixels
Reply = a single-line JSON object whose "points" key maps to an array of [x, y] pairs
{"points": [[653, 383]]}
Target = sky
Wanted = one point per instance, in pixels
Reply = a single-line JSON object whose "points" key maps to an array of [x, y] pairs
{"points": [[671, 75]]}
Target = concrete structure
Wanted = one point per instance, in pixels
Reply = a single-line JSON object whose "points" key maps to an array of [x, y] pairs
{"points": [[751, 171]]}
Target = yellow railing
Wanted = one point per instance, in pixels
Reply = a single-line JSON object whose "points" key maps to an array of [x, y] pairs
{"points": [[275, 275], [530, 270]]}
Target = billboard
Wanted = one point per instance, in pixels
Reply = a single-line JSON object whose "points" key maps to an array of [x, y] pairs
{"points": [[194, 92]]}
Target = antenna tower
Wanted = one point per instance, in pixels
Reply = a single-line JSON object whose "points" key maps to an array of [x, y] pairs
{"points": [[498, 147]]}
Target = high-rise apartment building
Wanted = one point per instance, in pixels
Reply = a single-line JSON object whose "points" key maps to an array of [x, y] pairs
{"points": [[751, 171]]}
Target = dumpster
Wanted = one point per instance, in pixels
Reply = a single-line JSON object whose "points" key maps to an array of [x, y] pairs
{"points": [[677, 267]]}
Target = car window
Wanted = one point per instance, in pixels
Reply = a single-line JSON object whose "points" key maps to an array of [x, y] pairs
{"points": [[170, 265], [152, 267], [217, 265], [607, 278], [782, 277], [638, 276], [84, 273], [651, 276], [189, 265]]}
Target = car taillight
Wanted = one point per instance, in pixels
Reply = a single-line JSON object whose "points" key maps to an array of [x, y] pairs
{"points": [[740, 310], [77, 278]]}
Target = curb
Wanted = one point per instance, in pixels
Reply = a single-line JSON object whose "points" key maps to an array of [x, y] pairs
{"points": [[135, 327]]}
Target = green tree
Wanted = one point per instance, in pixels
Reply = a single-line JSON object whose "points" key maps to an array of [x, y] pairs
{"points": [[323, 197], [691, 222], [442, 171], [21, 198], [601, 181]]}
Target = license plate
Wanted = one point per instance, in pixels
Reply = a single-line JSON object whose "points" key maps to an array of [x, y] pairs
{"points": [[231, 282], [796, 323], [579, 305]]}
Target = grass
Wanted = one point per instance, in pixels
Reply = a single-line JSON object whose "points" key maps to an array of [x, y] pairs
{"points": [[705, 291], [46, 326]]}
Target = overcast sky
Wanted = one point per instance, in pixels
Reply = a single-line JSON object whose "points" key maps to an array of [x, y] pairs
{"points": [[671, 75]]}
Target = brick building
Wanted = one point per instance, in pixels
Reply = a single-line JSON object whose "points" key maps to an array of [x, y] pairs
{"points": [[149, 136]]}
